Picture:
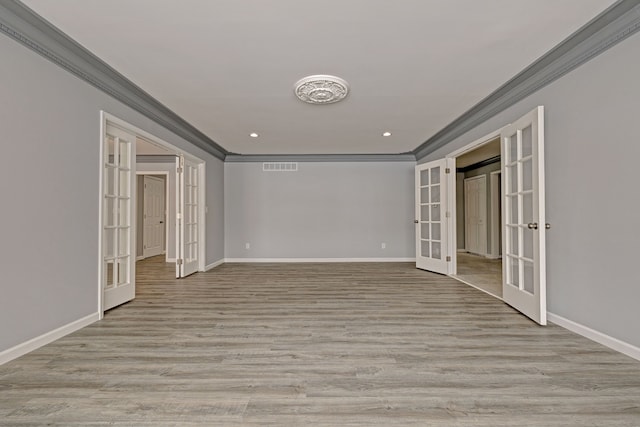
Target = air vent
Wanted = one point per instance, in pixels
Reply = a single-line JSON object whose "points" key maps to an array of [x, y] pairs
{"points": [[280, 167]]}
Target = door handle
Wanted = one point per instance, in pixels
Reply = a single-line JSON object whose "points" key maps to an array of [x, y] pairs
{"points": [[161, 222], [533, 226], [547, 226], [415, 221]]}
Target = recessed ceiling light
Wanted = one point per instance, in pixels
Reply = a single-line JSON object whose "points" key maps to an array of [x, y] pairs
{"points": [[386, 133], [253, 135]]}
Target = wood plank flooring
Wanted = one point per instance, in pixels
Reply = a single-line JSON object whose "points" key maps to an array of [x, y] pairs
{"points": [[318, 345], [482, 272]]}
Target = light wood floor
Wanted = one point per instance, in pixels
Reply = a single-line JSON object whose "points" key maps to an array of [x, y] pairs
{"points": [[318, 345], [482, 272]]}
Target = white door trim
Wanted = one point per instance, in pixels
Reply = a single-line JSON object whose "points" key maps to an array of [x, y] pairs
{"points": [[451, 193], [166, 209], [494, 212], [136, 131]]}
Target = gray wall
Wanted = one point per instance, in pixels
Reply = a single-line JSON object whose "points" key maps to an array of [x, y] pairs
{"points": [[592, 192], [325, 210], [171, 201], [50, 123]]}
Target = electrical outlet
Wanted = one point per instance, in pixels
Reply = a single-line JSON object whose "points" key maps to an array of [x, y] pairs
{"points": [[247, 245], [383, 245]]}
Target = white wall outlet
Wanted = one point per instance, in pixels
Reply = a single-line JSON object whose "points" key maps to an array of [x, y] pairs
{"points": [[247, 245], [383, 245]]}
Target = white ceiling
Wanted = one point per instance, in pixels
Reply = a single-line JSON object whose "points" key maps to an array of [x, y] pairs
{"points": [[228, 66]]}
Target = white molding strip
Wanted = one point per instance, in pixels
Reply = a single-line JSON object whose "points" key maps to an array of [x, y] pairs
{"points": [[46, 338], [214, 264], [604, 339], [257, 260]]}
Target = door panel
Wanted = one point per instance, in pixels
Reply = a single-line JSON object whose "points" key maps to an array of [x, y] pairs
{"points": [[524, 260], [154, 213], [118, 237], [431, 217], [475, 192], [188, 218]]}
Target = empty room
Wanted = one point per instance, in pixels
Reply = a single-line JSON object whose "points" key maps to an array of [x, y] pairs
{"points": [[339, 213]]}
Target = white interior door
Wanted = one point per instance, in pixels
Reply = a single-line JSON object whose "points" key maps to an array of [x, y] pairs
{"points": [[153, 216], [524, 267], [188, 220], [475, 208], [431, 217], [118, 237]]}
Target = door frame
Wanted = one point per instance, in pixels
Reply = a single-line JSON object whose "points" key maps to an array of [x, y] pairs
{"points": [[495, 213], [137, 132], [451, 189], [166, 210], [482, 178]]}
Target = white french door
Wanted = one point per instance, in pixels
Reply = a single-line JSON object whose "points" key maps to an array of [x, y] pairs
{"points": [[188, 221], [524, 266], [153, 216], [118, 237], [431, 217]]}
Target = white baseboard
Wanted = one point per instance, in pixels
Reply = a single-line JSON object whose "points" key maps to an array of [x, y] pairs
{"points": [[170, 260], [214, 264], [606, 340], [141, 257], [319, 260], [37, 342]]}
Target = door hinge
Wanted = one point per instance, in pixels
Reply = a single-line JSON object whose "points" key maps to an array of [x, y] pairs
{"points": [[179, 261], [179, 169], [447, 170], [448, 258]]}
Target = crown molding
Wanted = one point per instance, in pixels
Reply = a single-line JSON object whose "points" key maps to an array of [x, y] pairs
{"points": [[256, 158], [615, 24], [28, 28]]}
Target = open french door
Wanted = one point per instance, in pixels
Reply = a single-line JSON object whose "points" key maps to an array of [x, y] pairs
{"points": [[431, 217], [188, 221], [118, 236], [523, 264]]}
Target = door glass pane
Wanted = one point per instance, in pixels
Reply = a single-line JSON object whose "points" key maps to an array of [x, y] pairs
{"points": [[124, 183], [514, 272], [435, 250], [424, 231], [108, 268], [527, 175], [435, 231], [512, 179], [424, 213], [527, 243], [123, 241], [528, 277], [513, 234], [109, 212], [124, 154], [123, 270], [425, 248], [424, 195], [109, 150], [108, 242], [527, 141], [435, 212], [424, 177], [110, 181], [513, 209], [123, 212], [435, 175], [435, 194], [513, 148], [527, 208]]}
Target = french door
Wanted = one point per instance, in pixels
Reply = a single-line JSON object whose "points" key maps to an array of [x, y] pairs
{"points": [[118, 237], [188, 219], [523, 263], [431, 217]]}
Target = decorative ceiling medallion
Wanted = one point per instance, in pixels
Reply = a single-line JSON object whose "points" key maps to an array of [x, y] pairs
{"points": [[321, 89]]}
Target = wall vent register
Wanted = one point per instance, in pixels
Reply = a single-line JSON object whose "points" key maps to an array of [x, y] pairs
{"points": [[280, 167]]}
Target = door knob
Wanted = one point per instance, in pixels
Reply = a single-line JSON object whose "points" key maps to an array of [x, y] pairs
{"points": [[161, 222], [547, 226], [533, 226], [415, 221]]}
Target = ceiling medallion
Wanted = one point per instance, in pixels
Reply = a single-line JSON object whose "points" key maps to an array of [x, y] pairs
{"points": [[321, 89]]}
